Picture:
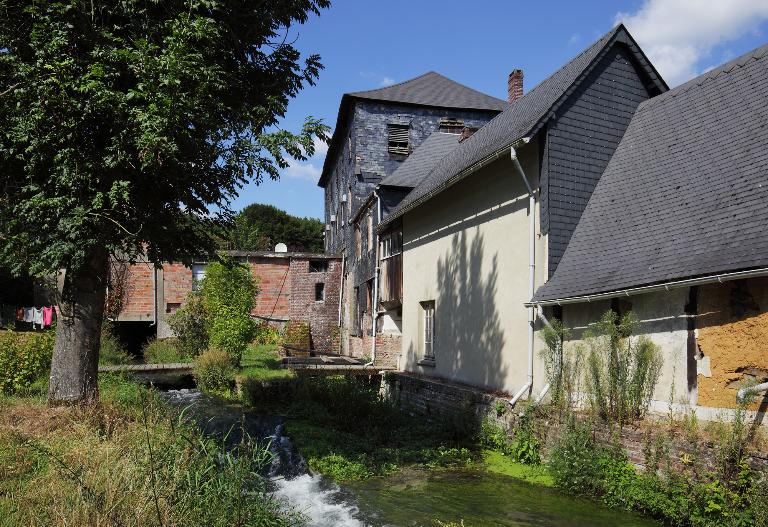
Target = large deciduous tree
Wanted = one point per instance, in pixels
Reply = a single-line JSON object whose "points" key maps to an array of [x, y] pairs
{"points": [[122, 124]]}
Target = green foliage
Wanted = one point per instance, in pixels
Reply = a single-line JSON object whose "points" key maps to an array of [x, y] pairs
{"points": [[525, 445], [267, 335], [622, 370], [582, 466], [262, 363], [190, 325], [560, 371], [228, 295], [162, 351], [260, 227], [125, 124], [298, 334], [111, 350], [214, 371], [130, 462], [25, 358], [492, 436]]}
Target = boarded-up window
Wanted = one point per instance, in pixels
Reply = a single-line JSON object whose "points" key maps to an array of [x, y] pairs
{"points": [[451, 126], [397, 137]]}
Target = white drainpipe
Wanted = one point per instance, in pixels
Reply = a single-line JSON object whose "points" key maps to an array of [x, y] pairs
{"points": [[531, 266], [751, 390], [375, 302]]}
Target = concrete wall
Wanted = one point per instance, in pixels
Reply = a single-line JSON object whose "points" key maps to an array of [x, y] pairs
{"points": [[467, 249], [661, 318]]}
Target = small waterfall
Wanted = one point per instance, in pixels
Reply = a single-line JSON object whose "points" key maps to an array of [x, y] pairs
{"points": [[322, 502]]}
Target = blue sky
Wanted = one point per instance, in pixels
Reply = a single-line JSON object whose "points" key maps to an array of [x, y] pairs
{"points": [[367, 44]]}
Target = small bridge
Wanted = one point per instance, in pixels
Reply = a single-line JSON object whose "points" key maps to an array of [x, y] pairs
{"points": [[172, 367]]}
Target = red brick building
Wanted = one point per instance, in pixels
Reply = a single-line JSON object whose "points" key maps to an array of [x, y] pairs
{"points": [[292, 286]]}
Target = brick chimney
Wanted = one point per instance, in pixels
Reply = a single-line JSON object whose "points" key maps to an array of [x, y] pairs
{"points": [[515, 85], [466, 133]]}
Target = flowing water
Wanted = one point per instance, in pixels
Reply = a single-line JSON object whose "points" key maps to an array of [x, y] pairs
{"points": [[411, 499]]}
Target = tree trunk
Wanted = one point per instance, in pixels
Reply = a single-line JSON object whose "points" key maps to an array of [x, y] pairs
{"points": [[74, 369]]}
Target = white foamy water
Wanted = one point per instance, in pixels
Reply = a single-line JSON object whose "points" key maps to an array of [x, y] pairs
{"points": [[321, 502]]}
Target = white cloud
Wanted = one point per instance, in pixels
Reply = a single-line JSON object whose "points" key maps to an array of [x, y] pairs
{"points": [[575, 38], [306, 171], [312, 169], [677, 34], [387, 81]]}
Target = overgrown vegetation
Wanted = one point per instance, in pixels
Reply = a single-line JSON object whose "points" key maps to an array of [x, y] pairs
{"points": [[128, 462], [214, 371], [219, 315], [163, 351], [24, 360], [622, 370], [111, 350]]}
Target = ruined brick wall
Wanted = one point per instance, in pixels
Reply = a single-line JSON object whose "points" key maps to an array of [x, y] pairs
{"points": [[321, 315], [732, 335], [273, 302], [138, 297]]}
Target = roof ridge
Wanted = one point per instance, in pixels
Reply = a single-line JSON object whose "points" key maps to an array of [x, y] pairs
{"points": [[698, 81], [354, 93]]}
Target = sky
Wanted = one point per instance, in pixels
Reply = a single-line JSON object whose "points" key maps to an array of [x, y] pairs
{"points": [[367, 44]]}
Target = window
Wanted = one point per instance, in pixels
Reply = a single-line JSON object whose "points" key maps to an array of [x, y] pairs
{"points": [[358, 243], [428, 326], [391, 244], [370, 231], [198, 273], [397, 137], [318, 266], [451, 126], [319, 292]]}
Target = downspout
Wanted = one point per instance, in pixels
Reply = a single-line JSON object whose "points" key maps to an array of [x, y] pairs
{"points": [[375, 301], [743, 393], [531, 266], [341, 300], [154, 294]]}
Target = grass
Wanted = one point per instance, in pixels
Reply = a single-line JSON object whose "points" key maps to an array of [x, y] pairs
{"points": [[128, 461], [498, 463], [262, 362]]}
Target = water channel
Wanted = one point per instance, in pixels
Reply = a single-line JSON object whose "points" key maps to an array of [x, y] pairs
{"points": [[410, 499]]}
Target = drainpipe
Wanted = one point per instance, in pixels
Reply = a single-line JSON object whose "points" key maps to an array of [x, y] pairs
{"points": [[531, 265], [545, 390], [154, 294], [743, 393], [341, 284], [375, 302]]}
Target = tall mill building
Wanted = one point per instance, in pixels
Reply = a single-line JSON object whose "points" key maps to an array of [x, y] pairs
{"points": [[376, 132]]}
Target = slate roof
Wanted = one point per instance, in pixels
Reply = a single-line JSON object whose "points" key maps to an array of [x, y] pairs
{"points": [[430, 89], [433, 89], [685, 194], [520, 119], [418, 165]]}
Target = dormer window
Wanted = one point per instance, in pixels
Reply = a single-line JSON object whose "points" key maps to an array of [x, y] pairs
{"points": [[397, 137]]}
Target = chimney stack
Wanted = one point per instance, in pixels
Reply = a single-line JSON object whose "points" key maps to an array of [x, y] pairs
{"points": [[515, 85], [466, 133]]}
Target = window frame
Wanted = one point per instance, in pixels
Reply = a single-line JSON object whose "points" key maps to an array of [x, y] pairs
{"points": [[427, 333]]}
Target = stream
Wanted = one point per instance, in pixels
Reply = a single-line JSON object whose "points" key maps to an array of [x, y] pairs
{"points": [[410, 499]]}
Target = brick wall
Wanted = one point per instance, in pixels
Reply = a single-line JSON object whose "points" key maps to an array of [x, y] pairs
{"points": [[438, 399], [138, 291], [177, 284], [274, 299], [322, 316]]}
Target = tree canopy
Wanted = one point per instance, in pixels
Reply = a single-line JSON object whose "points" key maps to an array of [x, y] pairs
{"points": [[123, 122], [260, 227]]}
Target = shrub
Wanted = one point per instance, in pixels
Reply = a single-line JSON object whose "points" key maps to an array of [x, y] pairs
{"points": [[24, 359], [267, 335], [229, 294], [525, 445], [162, 351], [621, 371], [190, 325], [298, 334], [214, 371], [111, 350]]}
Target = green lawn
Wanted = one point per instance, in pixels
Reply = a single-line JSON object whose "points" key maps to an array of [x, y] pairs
{"points": [[262, 362]]}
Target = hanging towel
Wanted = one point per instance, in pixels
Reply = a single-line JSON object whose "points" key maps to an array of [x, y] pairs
{"points": [[37, 317], [47, 316], [29, 314], [19, 314]]}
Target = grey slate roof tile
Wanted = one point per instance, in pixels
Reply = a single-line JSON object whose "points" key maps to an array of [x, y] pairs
{"points": [[433, 89], [418, 165], [686, 192], [518, 120]]}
